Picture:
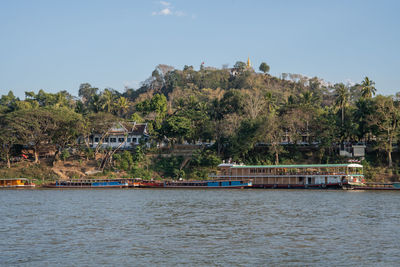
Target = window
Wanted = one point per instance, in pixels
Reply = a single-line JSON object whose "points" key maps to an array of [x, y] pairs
{"points": [[121, 140], [129, 140], [96, 139], [106, 140], [113, 140], [134, 140]]}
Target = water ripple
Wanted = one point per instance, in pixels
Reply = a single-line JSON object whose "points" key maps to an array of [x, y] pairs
{"points": [[198, 227]]}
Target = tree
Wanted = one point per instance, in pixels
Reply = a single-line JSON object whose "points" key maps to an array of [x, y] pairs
{"points": [[95, 105], [342, 98], [158, 104], [326, 132], [307, 99], [34, 128], [254, 103], [240, 66], [122, 105], [176, 127], [384, 122], [271, 133], [243, 141], [98, 123], [107, 101], [8, 138], [368, 88], [264, 67], [270, 102], [8, 101], [159, 77], [68, 126], [86, 92], [362, 111]]}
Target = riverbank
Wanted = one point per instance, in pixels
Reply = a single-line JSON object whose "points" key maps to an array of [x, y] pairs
{"points": [[45, 172]]}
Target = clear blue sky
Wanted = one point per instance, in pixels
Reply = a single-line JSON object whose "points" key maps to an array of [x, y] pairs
{"points": [[57, 45]]}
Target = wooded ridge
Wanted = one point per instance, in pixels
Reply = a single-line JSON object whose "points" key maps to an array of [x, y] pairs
{"points": [[238, 114]]}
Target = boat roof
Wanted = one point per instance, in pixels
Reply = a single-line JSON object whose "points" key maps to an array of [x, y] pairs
{"points": [[352, 165], [5, 179]]}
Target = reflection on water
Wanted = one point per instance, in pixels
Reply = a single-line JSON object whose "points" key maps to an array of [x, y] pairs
{"points": [[198, 227]]}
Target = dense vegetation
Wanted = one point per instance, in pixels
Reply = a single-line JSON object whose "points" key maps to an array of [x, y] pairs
{"points": [[238, 114]]}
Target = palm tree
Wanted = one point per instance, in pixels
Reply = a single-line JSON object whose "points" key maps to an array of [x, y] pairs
{"points": [[95, 103], [368, 88], [307, 99], [122, 105], [108, 100], [271, 100], [342, 98]]}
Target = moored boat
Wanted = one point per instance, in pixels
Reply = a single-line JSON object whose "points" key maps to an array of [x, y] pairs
{"points": [[149, 184], [16, 183], [378, 186], [233, 184], [294, 176], [89, 183]]}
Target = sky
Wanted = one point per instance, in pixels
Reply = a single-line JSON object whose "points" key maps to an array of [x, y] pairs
{"points": [[57, 45]]}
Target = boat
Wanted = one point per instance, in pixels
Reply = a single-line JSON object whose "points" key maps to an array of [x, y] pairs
{"points": [[378, 186], [294, 176], [16, 183], [148, 184], [231, 184], [89, 183]]}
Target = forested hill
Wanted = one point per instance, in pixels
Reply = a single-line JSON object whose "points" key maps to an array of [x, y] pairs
{"points": [[246, 114]]}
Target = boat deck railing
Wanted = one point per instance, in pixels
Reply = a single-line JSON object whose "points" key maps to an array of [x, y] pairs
{"points": [[261, 175]]}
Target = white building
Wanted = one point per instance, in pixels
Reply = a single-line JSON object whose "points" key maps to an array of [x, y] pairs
{"points": [[129, 134]]}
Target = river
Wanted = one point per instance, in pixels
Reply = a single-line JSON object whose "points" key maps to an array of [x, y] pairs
{"points": [[198, 227]]}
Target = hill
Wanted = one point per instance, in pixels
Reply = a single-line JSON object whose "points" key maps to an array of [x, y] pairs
{"points": [[235, 114]]}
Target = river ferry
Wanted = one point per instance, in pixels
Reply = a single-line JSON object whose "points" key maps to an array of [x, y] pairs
{"points": [[15, 183], [89, 183], [233, 184], [294, 176]]}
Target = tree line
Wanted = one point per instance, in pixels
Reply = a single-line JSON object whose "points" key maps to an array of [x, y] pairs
{"points": [[244, 114]]}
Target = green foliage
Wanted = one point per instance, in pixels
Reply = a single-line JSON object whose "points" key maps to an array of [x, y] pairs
{"points": [[124, 161], [264, 67], [169, 166], [139, 172], [245, 114], [65, 155], [176, 127], [206, 158], [368, 88], [136, 118]]}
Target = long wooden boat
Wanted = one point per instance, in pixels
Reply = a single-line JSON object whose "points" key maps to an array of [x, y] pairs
{"points": [[294, 176], [148, 184], [89, 183], [378, 186], [16, 183], [232, 184]]}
